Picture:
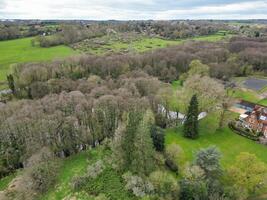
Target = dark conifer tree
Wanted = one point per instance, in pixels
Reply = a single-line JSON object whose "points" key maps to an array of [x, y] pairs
{"points": [[134, 118], [191, 121], [11, 83]]}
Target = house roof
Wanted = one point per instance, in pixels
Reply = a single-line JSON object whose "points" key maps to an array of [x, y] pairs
{"points": [[243, 116], [247, 104]]}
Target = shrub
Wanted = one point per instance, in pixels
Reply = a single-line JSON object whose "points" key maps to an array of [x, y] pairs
{"points": [[138, 186], [174, 156], [165, 185], [94, 170], [171, 165], [243, 132], [101, 197], [78, 182], [44, 175], [161, 121], [158, 137], [39, 89]]}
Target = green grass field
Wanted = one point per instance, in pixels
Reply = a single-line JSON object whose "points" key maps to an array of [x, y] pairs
{"points": [[247, 95], [229, 143], [263, 102], [21, 51]]}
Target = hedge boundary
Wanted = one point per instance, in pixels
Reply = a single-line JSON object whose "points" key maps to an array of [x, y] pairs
{"points": [[242, 132]]}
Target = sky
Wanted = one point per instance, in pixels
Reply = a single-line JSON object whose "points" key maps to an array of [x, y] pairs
{"points": [[133, 9]]}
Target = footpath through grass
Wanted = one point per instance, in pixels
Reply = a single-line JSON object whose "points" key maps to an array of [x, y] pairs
{"points": [[21, 51], [229, 143]]}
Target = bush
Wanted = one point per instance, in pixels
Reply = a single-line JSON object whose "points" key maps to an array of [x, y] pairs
{"points": [[166, 186], [171, 165], [94, 170], [158, 137], [44, 175], [161, 121], [101, 197], [138, 186], [174, 156], [243, 132], [38, 90], [79, 182]]}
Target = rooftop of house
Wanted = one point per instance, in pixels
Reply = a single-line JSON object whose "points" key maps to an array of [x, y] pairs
{"points": [[259, 112]]}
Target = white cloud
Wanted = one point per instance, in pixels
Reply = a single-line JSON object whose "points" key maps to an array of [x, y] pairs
{"points": [[229, 11], [124, 10]]}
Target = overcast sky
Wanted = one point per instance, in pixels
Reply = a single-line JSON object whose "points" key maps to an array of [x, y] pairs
{"points": [[133, 9]]}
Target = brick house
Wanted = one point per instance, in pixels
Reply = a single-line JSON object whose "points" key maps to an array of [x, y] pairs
{"points": [[256, 120]]}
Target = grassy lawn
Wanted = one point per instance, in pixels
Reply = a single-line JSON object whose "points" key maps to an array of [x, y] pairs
{"points": [[213, 38], [21, 50], [263, 102], [247, 95], [229, 143]]}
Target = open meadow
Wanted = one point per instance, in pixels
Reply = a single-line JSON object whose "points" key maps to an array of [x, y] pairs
{"points": [[122, 43], [22, 51]]}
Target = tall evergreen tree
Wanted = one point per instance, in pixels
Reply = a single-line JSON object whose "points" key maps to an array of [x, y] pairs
{"points": [[133, 120], [158, 138], [191, 121], [143, 155]]}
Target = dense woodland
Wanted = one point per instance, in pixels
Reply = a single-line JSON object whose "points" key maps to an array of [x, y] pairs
{"points": [[63, 107], [241, 56]]}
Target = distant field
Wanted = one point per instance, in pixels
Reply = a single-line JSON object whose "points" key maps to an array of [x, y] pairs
{"points": [[21, 50], [136, 43], [110, 45]]}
